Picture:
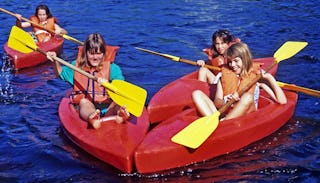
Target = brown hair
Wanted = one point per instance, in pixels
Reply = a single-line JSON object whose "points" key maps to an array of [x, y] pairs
{"points": [[240, 50], [94, 43], [43, 7]]}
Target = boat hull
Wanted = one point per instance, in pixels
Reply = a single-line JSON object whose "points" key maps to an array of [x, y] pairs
{"points": [[157, 152], [24, 60], [112, 143], [172, 109]]}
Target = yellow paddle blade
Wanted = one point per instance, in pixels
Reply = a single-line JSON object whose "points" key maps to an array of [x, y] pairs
{"points": [[198, 131], [127, 94], [21, 41], [288, 49], [308, 91]]}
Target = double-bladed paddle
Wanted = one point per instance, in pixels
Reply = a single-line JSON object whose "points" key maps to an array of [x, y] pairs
{"points": [[121, 92], [44, 28], [198, 131], [286, 86]]}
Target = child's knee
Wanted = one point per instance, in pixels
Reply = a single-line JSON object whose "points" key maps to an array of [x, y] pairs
{"points": [[247, 98]]}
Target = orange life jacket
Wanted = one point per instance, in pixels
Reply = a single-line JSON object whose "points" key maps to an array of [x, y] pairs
{"points": [[213, 58], [43, 35], [216, 59], [231, 82], [83, 87]]}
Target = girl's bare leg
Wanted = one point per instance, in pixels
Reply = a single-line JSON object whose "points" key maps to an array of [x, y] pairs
{"points": [[115, 113], [203, 103], [89, 113], [243, 106], [205, 75]]}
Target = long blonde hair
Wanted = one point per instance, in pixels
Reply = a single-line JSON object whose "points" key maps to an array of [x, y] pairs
{"points": [[94, 43], [241, 50]]}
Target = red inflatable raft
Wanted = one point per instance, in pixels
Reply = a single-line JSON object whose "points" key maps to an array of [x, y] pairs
{"points": [[23, 60]]}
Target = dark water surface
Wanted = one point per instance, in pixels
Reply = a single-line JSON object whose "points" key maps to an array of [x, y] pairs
{"points": [[34, 149]]}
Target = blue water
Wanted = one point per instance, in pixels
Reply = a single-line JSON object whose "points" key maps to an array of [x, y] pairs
{"points": [[33, 147]]}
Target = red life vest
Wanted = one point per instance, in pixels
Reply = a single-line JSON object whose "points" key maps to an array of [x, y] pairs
{"points": [[43, 35], [83, 87], [231, 82]]}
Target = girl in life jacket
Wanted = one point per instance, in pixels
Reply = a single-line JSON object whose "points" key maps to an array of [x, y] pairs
{"points": [[237, 74], [43, 17], [89, 96], [221, 40]]}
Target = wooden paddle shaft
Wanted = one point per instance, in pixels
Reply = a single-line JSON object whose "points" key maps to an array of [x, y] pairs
{"points": [[315, 93], [177, 59], [206, 65], [70, 65]]}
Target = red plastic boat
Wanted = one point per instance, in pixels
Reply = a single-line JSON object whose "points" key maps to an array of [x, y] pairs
{"points": [[157, 152], [131, 147], [23, 60], [112, 143]]}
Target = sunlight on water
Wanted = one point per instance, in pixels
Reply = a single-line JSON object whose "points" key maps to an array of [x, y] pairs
{"points": [[6, 90]]}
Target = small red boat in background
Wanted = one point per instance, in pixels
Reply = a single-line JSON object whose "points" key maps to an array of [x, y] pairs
{"points": [[24, 60]]}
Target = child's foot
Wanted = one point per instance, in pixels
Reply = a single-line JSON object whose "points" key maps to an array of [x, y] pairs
{"points": [[122, 115], [94, 119], [119, 119], [123, 112]]}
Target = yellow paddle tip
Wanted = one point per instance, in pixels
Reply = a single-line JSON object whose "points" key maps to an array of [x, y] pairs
{"points": [[21, 41], [281, 84], [127, 94], [288, 49], [197, 132]]}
